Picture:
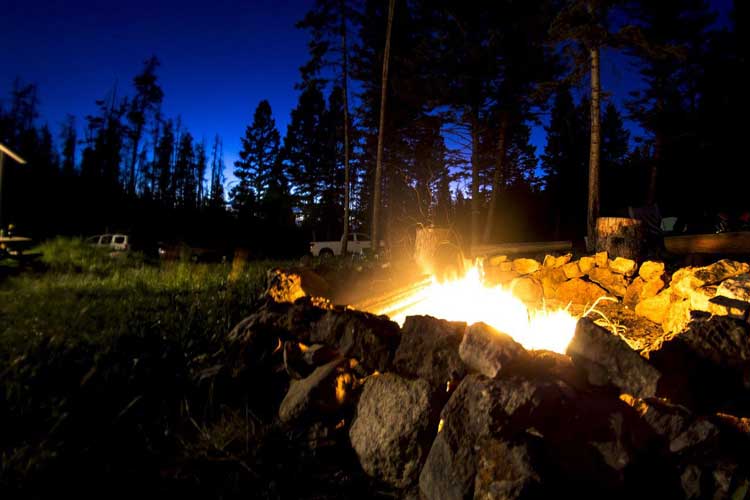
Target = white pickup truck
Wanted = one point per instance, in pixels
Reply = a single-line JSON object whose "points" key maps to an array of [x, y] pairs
{"points": [[358, 242]]}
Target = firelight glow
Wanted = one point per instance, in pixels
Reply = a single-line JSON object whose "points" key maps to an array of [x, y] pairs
{"points": [[469, 300]]}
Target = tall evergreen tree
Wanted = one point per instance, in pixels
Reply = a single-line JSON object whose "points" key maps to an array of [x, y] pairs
{"points": [[304, 152], [260, 151], [216, 190], [148, 97], [68, 137]]}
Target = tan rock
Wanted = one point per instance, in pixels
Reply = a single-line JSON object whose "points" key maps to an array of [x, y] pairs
{"points": [[622, 265], [651, 288], [677, 317], [615, 284], [651, 270], [496, 260], [572, 270], [557, 261], [586, 264], [601, 259], [684, 281], [494, 276], [526, 266], [654, 308], [551, 279], [633, 293], [700, 297], [579, 291], [527, 289], [505, 266]]}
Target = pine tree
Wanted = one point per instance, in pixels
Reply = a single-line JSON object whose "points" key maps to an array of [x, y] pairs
{"points": [[68, 137], [184, 173], [216, 191], [146, 101], [260, 151], [564, 165], [304, 151]]}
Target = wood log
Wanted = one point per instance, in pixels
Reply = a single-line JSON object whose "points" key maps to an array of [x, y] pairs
{"points": [[436, 251], [532, 247], [721, 243], [620, 237]]}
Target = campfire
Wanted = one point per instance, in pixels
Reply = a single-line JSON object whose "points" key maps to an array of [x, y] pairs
{"points": [[471, 300]]}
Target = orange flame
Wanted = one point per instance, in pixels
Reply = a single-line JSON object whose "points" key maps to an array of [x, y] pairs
{"points": [[469, 300]]}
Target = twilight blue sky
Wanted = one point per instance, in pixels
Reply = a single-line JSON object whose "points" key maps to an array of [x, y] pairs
{"points": [[218, 58]]}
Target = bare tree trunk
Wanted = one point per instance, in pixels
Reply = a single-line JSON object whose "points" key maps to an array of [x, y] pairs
{"points": [[498, 176], [133, 160], [345, 85], [379, 160], [653, 176], [593, 205], [475, 205]]}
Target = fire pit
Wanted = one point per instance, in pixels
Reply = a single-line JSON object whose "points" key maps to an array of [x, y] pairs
{"points": [[500, 383]]}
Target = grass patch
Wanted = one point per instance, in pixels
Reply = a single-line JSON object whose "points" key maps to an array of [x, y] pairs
{"points": [[97, 362]]}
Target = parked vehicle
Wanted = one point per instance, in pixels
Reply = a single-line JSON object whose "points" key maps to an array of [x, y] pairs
{"points": [[183, 251], [116, 242], [358, 243]]}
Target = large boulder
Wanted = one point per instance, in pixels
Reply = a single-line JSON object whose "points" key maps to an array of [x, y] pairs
{"points": [[369, 338], [706, 364], [607, 360], [614, 283], [395, 422], [483, 408], [429, 350], [486, 350]]}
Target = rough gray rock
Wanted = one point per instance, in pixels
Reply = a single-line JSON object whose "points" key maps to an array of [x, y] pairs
{"points": [[706, 364], [326, 390], [484, 408], [370, 339], [429, 350], [393, 428], [487, 350], [506, 471], [607, 360], [681, 429]]}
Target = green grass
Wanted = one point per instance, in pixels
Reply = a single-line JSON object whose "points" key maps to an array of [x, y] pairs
{"points": [[98, 358]]}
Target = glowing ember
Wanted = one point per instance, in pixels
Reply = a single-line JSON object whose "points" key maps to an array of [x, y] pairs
{"points": [[468, 299]]}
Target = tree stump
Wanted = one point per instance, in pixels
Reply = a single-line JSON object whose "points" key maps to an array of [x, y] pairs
{"points": [[620, 237], [437, 252]]}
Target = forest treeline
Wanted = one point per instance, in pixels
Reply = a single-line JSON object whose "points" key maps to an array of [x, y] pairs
{"points": [[466, 84]]}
